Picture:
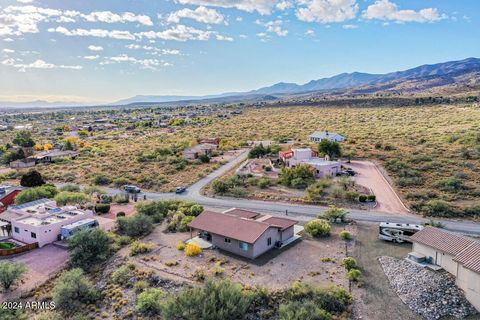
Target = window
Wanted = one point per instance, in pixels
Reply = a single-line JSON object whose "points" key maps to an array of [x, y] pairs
{"points": [[34, 235], [269, 241], [228, 240], [17, 230], [243, 246]]}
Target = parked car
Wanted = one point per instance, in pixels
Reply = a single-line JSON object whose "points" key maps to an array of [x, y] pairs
{"points": [[131, 189], [180, 190]]}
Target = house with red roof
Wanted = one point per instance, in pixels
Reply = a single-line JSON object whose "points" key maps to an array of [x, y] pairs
{"points": [[459, 255], [245, 233]]}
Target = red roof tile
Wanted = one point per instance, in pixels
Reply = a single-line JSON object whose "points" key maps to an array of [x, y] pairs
{"points": [[229, 226], [241, 213], [442, 240], [283, 223], [470, 257]]}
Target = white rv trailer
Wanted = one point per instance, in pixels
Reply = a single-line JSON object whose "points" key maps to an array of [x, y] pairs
{"points": [[397, 232]]}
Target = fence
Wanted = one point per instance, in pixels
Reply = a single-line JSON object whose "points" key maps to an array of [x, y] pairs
{"points": [[16, 250]]}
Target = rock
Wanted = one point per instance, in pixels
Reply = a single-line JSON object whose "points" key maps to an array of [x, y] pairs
{"points": [[431, 294]]}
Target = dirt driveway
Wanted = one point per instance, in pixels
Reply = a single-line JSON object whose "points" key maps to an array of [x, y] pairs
{"points": [[369, 176], [42, 264]]}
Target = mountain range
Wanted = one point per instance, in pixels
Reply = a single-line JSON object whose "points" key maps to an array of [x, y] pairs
{"points": [[447, 77]]}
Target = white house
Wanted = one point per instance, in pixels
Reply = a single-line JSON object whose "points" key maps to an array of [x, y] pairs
{"points": [[458, 255], [298, 156], [325, 135], [41, 220]]}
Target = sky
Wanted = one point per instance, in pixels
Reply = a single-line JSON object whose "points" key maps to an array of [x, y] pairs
{"points": [[97, 51]]}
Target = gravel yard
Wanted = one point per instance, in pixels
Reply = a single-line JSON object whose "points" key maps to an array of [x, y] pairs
{"points": [[431, 294]]}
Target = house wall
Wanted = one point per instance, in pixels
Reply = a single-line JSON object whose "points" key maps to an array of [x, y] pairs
{"points": [[45, 233], [323, 171], [287, 233], [469, 282], [261, 245], [440, 258], [233, 246]]}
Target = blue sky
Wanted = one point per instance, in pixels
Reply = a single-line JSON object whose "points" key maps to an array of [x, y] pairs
{"points": [[105, 50]]}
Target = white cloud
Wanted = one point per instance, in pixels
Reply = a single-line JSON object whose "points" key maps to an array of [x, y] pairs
{"points": [[95, 48], [25, 1], [220, 37], [8, 50], [261, 6], [326, 11], [158, 51], [64, 19], [91, 57], [310, 32], [8, 40], [99, 33], [38, 64], [284, 5], [386, 10], [350, 26], [200, 14], [111, 17], [178, 33], [152, 64], [274, 27]]}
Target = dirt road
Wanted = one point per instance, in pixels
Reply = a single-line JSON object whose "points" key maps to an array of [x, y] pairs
{"points": [[369, 176]]}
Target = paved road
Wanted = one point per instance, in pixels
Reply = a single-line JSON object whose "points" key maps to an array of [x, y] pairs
{"points": [[299, 212]]}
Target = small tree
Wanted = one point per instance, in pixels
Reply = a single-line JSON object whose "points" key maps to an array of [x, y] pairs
{"points": [[330, 148], [318, 228], [135, 226], [72, 290], [31, 179], [334, 213], [345, 235], [88, 248], [150, 301], [74, 198], [354, 275], [349, 263], [10, 272], [24, 139]]}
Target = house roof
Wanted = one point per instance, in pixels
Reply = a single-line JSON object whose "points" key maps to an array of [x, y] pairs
{"points": [[325, 135], [229, 226], [442, 240], [241, 213], [283, 223], [470, 257]]}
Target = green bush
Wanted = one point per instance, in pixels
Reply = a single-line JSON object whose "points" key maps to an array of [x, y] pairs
{"points": [[220, 187], [317, 228], [450, 184], [331, 298], [150, 301], [120, 198], [216, 300], [102, 208], [263, 183], [72, 290], [362, 198], [135, 226], [72, 198], [298, 177], [351, 195], [438, 208], [334, 213], [345, 235], [122, 275], [10, 272], [88, 248], [302, 311], [330, 148], [46, 191], [349, 263], [371, 198], [354, 275], [70, 188], [31, 179], [101, 180], [138, 247]]}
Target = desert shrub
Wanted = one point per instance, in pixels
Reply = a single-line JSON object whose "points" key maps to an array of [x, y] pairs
{"points": [[183, 226], [473, 210], [217, 270], [330, 298], [101, 180], [135, 226], [438, 208], [102, 208], [70, 188], [180, 246], [70, 197], [317, 228], [349, 263], [354, 275], [150, 301], [302, 311], [362, 198], [263, 183], [120, 198], [72, 290], [215, 300], [88, 248], [122, 275], [138, 247], [195, 210], [140, 286], [345, 235], [371, 198], [10, 272], [351, 195], [238, 192], [409, 181], [46, 191], [118, 182], [192, 249], [199, 274], [220, 187], [315, 192], [121, 214], [450, 184], [16, 314], [334, 213], [421, 195]]}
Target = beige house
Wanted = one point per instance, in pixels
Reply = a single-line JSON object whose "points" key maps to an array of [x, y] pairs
{"points": [[458, 255]]}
